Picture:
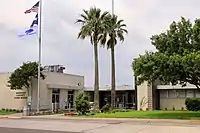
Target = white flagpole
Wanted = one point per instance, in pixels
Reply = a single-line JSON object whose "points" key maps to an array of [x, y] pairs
{"points": [[40, 54], [112, 7]]}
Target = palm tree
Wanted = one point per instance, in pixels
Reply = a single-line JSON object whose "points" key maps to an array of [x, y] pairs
{"points": [[114, 30], [92, 27]]}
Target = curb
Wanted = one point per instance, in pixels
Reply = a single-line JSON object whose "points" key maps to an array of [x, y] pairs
{"points": [[14, 117], [115, 119], [10, 117], [3, 117]]}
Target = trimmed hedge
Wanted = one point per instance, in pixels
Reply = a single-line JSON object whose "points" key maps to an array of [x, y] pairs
{"points": [[193, 104]]}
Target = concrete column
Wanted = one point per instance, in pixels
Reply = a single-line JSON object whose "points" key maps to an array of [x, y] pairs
{"points": [[142, 96], [63, 95]]}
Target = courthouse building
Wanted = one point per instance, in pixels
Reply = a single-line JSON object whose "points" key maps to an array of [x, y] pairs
{"points": [[156, 96], [60, 89], [125, 95], [57, 89]]}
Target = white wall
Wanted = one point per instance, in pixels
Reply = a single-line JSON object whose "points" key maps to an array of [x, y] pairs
{"points": [[7, 96], [70, 82], [64, 80]]}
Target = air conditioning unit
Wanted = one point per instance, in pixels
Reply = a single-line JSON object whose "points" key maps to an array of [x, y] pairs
{"points": [[54, 68]]}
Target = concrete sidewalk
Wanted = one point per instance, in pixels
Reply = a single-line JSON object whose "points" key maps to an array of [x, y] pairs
{"points": [[62, 117], [86, 126]]}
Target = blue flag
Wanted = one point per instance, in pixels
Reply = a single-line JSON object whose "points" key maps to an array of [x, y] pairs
{"points": [[29, 31], [33, 28]]}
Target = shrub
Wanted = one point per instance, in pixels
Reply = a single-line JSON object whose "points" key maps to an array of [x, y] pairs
{"points": [[106, 108], [82, 104], [193, 104], [122, 110], [96, 111]]}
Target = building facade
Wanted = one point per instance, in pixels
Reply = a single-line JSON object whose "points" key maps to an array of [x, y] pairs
{"points": [[56, 91], [125, 96], [164, 97]]}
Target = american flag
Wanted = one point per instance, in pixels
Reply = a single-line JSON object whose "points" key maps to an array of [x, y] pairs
{"points": [[35, 21], [33, 9]]}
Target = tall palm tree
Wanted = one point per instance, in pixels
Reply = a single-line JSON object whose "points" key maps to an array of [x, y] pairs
{"points": [[114, 30], [92, 27]]}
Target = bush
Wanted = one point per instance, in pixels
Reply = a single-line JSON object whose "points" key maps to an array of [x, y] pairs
{"points": [[106, 108], [193, 104], [122, 110], [82, 104]]}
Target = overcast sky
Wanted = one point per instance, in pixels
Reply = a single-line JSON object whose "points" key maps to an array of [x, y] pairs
{"points": [[60, 45]]}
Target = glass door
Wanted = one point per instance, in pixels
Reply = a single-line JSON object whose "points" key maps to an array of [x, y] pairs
{"points": [[55, 99], [70, 100]]}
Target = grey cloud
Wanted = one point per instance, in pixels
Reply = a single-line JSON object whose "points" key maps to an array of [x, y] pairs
{"points": [[60, 43]]}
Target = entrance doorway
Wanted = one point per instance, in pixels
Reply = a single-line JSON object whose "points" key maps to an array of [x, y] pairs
{"points": [[121, 100], [70, 100], [55, 99]]}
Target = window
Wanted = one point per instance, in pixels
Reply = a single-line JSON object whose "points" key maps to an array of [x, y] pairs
{"points": [[163, 93], [181, 93], [189, 93], [172, 94], [197, 93], [55, 90]]}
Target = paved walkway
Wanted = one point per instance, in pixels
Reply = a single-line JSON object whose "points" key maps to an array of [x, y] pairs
{"points": [[17, 130], [97, 126]]}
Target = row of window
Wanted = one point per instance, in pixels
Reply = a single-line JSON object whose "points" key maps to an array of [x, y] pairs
{"points": [[179, 93]]}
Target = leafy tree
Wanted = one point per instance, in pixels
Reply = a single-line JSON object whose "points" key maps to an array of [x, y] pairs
{"points": [[114, 31], [22, 76], [92, 27], [82, 103], [177, 59]]}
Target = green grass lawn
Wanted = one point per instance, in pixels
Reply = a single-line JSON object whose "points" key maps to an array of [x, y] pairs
{"points": [[3, 112], [151, 115]]}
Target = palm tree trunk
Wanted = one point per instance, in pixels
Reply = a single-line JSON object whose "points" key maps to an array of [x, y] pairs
{"points": [[113, 93], [96, 77]]}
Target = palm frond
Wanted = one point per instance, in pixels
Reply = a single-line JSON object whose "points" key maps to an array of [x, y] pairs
{"points": [[123, 25], [81, 35], [120, 21], [80, 21], [124, 30], [104, 14], [84, 17], [103, 39], [91, 40], [98, 13], [86, 12], [120, 36]]}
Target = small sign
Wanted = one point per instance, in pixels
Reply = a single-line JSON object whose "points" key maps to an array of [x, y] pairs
{"points": [[20, 95]]}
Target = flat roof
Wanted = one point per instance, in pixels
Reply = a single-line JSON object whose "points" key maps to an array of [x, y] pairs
{"points": [[108, 88]]}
